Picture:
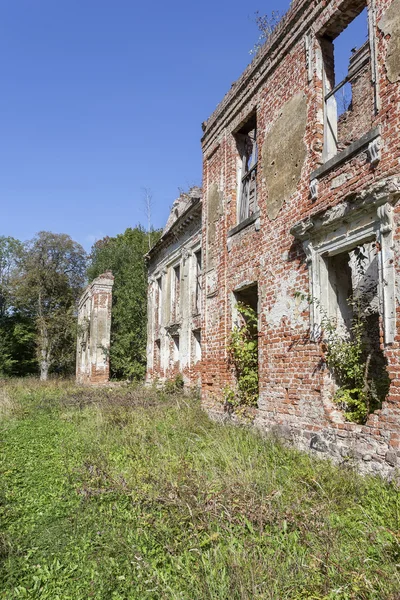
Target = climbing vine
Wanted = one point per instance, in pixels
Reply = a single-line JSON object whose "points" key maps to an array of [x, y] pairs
{"points": [[243, 356], [359, 368]]}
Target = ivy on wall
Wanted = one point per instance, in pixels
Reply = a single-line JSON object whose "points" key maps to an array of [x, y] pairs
{"points": [[243, 356]]}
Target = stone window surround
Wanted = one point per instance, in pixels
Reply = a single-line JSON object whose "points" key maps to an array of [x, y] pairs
{"points": [[254, 218], [354, 148], [340, 229], [175, 275], [179, 258], [192, 253]]}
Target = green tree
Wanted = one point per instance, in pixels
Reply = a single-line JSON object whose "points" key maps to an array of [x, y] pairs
{"points": [[10, 251], [49, 281], [124, 255], [17, 349]]}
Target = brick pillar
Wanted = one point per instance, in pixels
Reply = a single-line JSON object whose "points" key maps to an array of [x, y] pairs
{"points": [[94, 327]]}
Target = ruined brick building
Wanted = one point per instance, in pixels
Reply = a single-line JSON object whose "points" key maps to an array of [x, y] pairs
{"points": [[175, 294], [301, 181], [94, 324]]}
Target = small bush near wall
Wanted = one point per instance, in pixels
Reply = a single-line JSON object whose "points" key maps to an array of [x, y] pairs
{"points": [[243, 354]]}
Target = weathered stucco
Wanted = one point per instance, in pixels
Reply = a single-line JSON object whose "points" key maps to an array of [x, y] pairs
{"points": [[286, 303], [174, 335], [390, 26], [284, 152], [94, 330], [214, 211]]}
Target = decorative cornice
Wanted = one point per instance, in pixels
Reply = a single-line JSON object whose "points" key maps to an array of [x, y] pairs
{"points": [[378, 194], [186, 218]]}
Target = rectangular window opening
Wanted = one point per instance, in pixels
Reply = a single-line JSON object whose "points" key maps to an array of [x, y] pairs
{"points": [[348, 91], [197, 345], [198, 290], [157, 354], [246, 141], [176, 293], [352, 298], [159, 301], [247, 320], [176, 355]]}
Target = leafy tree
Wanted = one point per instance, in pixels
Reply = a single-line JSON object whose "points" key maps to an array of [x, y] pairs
{"points": [[51, 274], [124, 255], [17, 348], [10, 250]]}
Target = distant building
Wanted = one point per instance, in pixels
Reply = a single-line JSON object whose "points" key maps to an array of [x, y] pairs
{"points": [[175, 294], [94, 323]]}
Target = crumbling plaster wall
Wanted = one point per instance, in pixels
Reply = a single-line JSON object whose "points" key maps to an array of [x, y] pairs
{"points": [[389, 24], [294, 389], [177, 248], [284, 152], [94, 330]]}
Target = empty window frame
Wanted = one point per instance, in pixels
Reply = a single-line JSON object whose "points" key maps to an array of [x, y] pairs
{"points": [[159, 300], [176, 344], [351, 296], [246, 140], [176, 293], [157, 355], [348, 94], [243, 319], [196, 345], [197, 282]]}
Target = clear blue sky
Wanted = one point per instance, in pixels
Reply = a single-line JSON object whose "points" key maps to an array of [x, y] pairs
{"points": [[100, 99]]}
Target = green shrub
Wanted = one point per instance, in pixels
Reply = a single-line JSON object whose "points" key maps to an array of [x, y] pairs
{"points": [[175, 385], [243, 354]]}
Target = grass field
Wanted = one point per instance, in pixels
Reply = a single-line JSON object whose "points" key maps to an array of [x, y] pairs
{"points": [[128, 494]]}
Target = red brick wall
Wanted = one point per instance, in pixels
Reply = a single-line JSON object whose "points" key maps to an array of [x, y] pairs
{"points": [[95, 305], [291, 381]]}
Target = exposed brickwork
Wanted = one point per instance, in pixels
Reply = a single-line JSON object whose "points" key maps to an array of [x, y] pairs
{"points": [[94, 325], [358, 118], [295, 393]]}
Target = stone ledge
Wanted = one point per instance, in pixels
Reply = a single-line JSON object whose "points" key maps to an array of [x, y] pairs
{"points": [[340, 158], [249, 221]]}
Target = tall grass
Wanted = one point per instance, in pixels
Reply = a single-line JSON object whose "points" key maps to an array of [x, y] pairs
{"points": [[134, 494]]}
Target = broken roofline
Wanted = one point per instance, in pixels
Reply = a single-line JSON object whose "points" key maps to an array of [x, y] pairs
{"points": [[171, 233], [277, 44]]}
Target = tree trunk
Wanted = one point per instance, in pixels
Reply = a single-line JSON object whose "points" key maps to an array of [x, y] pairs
{"points": [[44, 355], [44, 370]]}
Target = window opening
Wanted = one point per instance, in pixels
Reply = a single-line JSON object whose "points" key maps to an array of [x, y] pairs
{"points": [[352, 331], [197, 345], [176, 292], [348, 92], [159, 301], [246, 140], [198, 290], [243, 349], [175, 339], [157, 354]]}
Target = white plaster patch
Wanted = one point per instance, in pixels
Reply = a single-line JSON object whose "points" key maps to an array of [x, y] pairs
{"points": [[286, 304], [339, 180]]}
